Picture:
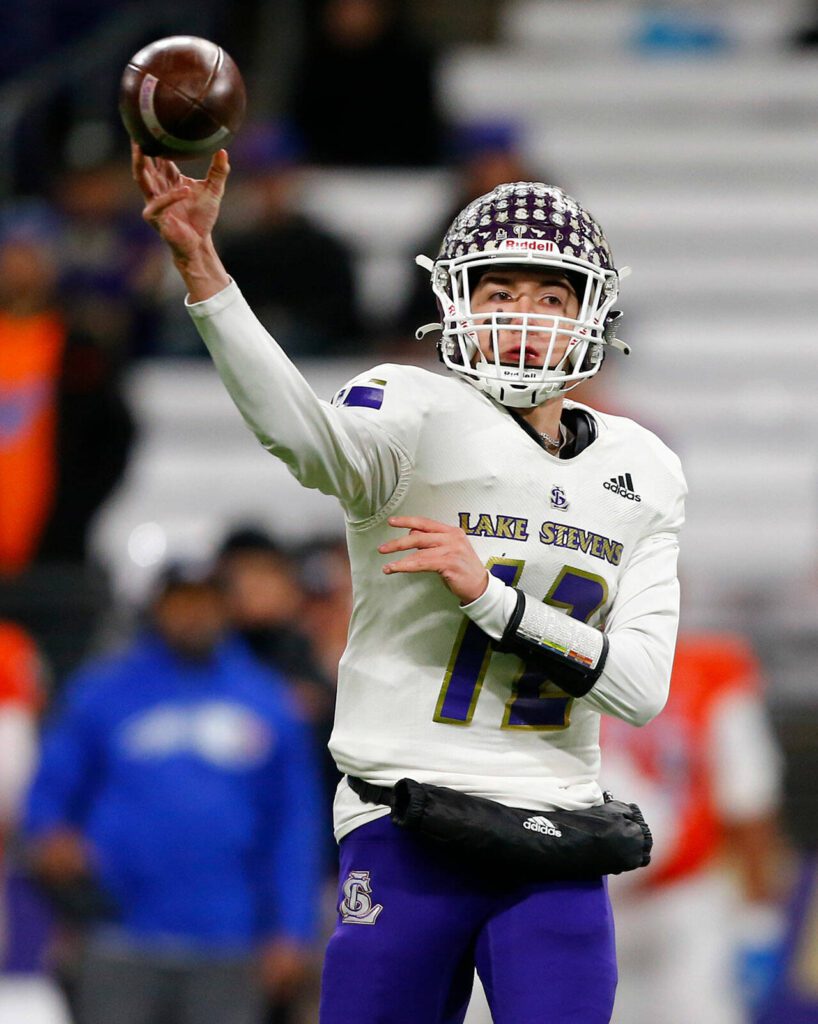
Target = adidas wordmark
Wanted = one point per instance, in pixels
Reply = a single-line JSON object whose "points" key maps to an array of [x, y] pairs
{"points": [[540, 824], [622, 484]]}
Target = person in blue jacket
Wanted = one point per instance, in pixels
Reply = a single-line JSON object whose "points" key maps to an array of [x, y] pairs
{"points": [[177, 786]]}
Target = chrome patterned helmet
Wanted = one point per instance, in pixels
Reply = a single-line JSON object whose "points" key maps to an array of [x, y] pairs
{"points": [[525, 225]]}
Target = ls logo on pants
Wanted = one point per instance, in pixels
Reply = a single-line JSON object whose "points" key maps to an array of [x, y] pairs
{"points": [[356, 907]]}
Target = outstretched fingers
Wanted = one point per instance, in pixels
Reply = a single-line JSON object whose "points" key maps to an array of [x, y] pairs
{"points": [[440, 548], [156, 206], [218, 171], [421, 523], [168, 169], [142, 171], [415, 539], [153, 174], [420, 561], [424, 533]]}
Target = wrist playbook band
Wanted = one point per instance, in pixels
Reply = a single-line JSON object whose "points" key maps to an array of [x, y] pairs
{"points": [[572, 653]]}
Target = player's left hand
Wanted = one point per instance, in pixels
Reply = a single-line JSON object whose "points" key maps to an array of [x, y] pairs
{"points": [[438, 548], [285, 966]]}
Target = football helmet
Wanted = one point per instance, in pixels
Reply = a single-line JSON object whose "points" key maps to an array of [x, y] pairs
{"points": [[536, 226]]}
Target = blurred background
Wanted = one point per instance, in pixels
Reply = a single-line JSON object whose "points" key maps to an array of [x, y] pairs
{"points": [[690, 131]]}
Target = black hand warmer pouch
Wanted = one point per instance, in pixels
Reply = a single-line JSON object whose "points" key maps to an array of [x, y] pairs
{"points": [[536, 846]]}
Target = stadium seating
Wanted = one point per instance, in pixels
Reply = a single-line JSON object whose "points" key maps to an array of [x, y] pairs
{"points": [[700, 163]]}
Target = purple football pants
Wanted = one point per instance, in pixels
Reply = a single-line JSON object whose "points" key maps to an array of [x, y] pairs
{"points": [[412, 927]]}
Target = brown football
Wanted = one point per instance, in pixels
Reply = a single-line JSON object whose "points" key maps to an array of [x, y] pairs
{"points": [[182, 97]]}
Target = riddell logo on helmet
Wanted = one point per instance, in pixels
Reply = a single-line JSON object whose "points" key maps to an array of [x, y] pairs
{"points": [[526, 245]]}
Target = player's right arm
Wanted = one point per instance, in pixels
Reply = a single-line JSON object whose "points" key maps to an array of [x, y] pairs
{"points": [[324, 447]]}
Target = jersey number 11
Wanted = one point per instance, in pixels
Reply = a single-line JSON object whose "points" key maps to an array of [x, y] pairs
{"points": [[535, 702]]}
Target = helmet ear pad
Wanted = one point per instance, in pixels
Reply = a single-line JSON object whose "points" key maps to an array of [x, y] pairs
{"points": [[588, 362]]}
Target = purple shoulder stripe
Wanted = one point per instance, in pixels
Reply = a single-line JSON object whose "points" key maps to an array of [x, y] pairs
{"points": [[364, 395]]}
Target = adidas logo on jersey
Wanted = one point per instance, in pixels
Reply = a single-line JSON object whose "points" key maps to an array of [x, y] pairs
{"points": [[622, 485], [540, 824]]}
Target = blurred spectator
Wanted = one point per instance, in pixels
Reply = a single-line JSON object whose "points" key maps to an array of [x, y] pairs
{"points": [[279, 258], [175, 811], [31, 37], [325, 574], [65, 431], [698, 931], [108, 270], [364, 93], [95, 433], [20, 698], [33, 337], [485, 154], [787, 617], [61, 61], [111, 265], [266, 604], [65, 435], [793, 995], [806, 36]]}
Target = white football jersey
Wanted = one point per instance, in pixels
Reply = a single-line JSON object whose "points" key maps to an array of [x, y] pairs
{"points": [[421, 691]]}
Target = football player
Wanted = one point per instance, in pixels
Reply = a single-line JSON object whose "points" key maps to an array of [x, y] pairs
{"points": [[513, 560]]}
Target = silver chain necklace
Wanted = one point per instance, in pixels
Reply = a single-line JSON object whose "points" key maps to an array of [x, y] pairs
{"points": [[553, 442]]}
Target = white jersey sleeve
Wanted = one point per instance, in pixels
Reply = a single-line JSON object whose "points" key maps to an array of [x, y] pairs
{"points": [[641, 634], [643, 622], [335, 449]]}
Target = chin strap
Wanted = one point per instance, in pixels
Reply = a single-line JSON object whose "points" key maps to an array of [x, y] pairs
{"points": [[427, 263], [421, 332], [612, 322]]}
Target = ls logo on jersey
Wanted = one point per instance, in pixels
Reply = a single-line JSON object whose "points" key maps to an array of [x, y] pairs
{"points": [[357, 907], [558, 499]]}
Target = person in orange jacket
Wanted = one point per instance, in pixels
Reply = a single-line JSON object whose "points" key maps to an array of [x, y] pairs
{"points": [[20, 698], [707, 775]]}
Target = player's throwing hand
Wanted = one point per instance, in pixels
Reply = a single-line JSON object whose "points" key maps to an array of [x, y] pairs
{"points": [[183, 210], [439, 548]]}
